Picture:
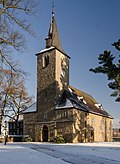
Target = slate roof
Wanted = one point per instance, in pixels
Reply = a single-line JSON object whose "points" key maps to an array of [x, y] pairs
{"points": [[74, 98], [70, 100]]}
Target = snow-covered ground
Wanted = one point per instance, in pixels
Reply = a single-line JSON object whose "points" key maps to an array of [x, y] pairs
{"points": [[13, 154], [46, 153]]}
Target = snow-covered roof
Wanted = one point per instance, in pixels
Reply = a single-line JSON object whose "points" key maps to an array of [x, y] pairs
{"points": [[49, 49], [73, 98], [70, 100], [31, 109], [46, 49], [66, 104]]}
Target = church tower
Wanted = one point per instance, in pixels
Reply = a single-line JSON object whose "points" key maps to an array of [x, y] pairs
{"points": [[52, 74]]}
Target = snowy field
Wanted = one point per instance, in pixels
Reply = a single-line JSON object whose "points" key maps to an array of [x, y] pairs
{"points": [[46, 153]]}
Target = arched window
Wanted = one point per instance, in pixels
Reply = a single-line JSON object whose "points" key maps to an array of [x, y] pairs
{"points": [[45, 61], [0, 128], [101, 124], [92, 122], [45, 134]]}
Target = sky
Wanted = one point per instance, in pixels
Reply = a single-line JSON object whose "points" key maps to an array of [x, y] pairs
{"points": [[86, 28]]}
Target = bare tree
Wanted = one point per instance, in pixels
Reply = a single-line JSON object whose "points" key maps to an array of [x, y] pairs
{"points": [[12, 14], [13, 23], [13, 95]]}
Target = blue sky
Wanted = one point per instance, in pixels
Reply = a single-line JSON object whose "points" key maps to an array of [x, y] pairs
{"points": [[86, 29]]}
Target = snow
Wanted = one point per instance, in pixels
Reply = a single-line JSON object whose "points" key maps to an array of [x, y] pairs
{"points": [[66, 104], [13, 154], [39, 153], [46, 49], [30, 109]]}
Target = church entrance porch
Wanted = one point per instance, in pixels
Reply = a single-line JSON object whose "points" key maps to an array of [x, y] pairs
{"points": [[45, 133]]}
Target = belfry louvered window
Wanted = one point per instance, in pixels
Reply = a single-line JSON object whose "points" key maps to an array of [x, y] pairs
{"points": [[45, 61]]}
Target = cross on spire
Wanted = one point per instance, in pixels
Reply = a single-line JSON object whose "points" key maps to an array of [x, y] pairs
{"points": [[53, 5]]}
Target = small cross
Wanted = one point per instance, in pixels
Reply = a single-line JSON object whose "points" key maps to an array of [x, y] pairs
{"points": [[53, 5]]}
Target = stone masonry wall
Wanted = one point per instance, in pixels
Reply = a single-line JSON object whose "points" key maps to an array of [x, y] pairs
{"points": [[102, 127], [29, 121]]}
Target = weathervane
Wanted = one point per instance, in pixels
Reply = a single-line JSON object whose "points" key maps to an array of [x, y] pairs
{"points": [[53, 5]]}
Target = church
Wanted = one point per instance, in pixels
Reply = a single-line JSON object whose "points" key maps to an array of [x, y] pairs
{"points": [[60, 108]]}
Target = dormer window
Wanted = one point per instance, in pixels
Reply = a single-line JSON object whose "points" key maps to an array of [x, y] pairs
{"points": [[45, 61], [81, 99], [99, 106]]}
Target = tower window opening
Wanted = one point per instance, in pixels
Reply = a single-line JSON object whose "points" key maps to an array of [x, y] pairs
{"points": [[0, 128], [45, 61]]}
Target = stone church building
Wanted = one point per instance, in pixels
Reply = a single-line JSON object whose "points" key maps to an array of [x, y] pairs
{"points": [[60, 108]]}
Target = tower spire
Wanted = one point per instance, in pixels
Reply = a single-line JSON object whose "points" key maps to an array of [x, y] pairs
{"points": [[53, 36]]}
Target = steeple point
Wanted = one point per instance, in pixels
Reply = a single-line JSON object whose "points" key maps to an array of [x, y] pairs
{"points": [[52, 38]]}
